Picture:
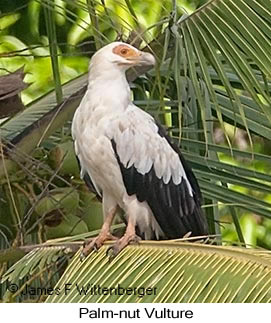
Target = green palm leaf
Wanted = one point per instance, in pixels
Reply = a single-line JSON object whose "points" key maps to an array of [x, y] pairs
{"points": [[173, 271], [181, 272]]}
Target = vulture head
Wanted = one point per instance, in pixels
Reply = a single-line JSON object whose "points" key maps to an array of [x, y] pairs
{"points": [[121, 56]]}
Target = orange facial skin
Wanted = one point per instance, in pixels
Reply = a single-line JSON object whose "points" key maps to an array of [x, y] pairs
{"points": [[126, 52]]}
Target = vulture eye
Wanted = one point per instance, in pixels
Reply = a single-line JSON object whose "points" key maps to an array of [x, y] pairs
{"points": [[124, 51]]}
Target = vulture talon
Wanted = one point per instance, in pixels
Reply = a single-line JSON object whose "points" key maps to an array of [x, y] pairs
{"points": [[120, 244], [94, 244], [109, 253], [95, 248], [82, 256]]}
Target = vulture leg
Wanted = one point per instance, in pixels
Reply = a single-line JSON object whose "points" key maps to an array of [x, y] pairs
{"points": [[129, 237], [96, 243]]}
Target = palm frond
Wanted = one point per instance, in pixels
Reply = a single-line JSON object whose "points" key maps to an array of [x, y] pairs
{"points": [[174, 271], [228, 66]]}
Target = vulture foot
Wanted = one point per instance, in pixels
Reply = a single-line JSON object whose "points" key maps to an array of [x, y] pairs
{"points": [[120, 244], [95, 244]]}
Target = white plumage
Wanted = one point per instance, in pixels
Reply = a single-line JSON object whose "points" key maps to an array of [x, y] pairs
{"points": [[121, 147]]}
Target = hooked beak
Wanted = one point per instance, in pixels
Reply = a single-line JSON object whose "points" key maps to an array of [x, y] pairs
{"points": [[143, 58]]}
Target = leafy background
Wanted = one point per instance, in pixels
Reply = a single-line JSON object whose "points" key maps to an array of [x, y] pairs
{"points": [[210, 88]]}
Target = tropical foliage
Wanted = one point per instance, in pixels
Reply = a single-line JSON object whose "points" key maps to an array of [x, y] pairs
{"points": [[210, 88], [154, 272]]}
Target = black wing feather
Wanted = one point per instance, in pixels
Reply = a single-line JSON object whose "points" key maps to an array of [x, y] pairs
{"points": [[176, 211]]}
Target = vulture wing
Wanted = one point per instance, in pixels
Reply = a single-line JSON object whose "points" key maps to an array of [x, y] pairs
{"points": [[154, 169]]}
